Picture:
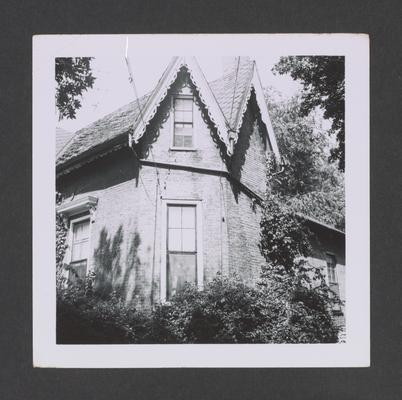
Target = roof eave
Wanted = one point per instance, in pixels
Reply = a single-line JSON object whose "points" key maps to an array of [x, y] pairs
{"points": [[93, 153], [320, 223]]}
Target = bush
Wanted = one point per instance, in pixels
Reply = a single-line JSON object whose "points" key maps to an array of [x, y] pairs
{"points": [[83, 317], [226, 311]]}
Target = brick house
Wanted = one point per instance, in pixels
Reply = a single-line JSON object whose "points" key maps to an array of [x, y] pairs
{"points": [[168, 188]]}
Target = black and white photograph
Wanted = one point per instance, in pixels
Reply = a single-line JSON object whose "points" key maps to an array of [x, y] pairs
{"points": [[203, 200]]}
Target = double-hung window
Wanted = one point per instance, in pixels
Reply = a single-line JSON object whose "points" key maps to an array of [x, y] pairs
{"points": [[183, 122], [79, 249], [332, 273], [331, 269], [181, 247]]}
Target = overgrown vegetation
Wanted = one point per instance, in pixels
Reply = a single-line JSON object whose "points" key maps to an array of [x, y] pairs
{"points": [[291, 303], [227, 311], [309, 183], [288, 278]]}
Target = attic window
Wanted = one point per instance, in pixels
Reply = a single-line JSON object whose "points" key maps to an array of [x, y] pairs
{"points": [[183, 122]]}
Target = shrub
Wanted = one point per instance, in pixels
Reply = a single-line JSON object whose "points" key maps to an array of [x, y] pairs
{"points": [[83, 317], [226, 311]]}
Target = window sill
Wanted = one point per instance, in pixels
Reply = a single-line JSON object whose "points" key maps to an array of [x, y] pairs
{"points": [[182, 149]]}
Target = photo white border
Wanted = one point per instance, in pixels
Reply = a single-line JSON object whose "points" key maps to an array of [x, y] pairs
{"points": [[354, 353]]}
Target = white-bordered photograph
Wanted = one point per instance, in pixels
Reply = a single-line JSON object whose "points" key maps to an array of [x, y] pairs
{"points": [[201, 201]]}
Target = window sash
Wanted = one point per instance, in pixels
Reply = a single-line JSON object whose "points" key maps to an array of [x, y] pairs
{"points": [[183, 122], [181, 228], [80, 240], [181, 269], [331, 269], [181, 255]]}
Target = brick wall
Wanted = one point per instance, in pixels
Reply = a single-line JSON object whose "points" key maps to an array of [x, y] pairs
{"points": [[127, 232], [243, 224]]}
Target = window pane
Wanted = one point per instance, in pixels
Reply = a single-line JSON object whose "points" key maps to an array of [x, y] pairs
{"points": [[183, 116], [331, 260], [174, 240], [80, 230], [331, 268], [188, 217], [183, 104], [183, 129], [181, 269], [178, 141], [174, 217], [188, 141], [79, 250], [188, 240], [77, 271]]}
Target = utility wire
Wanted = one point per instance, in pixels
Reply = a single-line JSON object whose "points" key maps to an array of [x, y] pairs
{"points": [[131, 80], [141, 114], [157, 186]]}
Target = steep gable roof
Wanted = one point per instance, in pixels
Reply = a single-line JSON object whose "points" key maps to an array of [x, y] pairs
{"points": [[233, 92], [161, 89], [225, 100], [232, 89]]}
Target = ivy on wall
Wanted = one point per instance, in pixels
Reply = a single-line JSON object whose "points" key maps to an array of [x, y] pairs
{"points": [[61, 239], [304, 299]]}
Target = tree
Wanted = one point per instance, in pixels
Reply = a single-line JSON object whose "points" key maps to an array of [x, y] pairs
{"points": [[73, 77], [310, 184], [323, 80], [303, 299]]}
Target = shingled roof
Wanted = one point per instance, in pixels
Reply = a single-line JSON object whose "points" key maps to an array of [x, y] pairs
{"points": [[232, 90], [62, 137], [102, 131], [229, 94]]}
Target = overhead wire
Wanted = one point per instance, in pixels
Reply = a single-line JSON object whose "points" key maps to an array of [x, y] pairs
{"points": [[157, 186]]}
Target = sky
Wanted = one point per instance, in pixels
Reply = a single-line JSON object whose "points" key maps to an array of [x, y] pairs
{"points": [[112, 89]]}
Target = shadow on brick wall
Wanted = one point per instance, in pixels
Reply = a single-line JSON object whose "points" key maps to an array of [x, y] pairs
{"points": [[107, 261], [124, 275]]}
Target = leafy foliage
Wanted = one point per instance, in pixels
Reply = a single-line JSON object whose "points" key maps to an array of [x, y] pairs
{"points": [[73, 77], [309, 183], [84, 318], [323, 80], [288, 278], [61, 245], [226, 311]]}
